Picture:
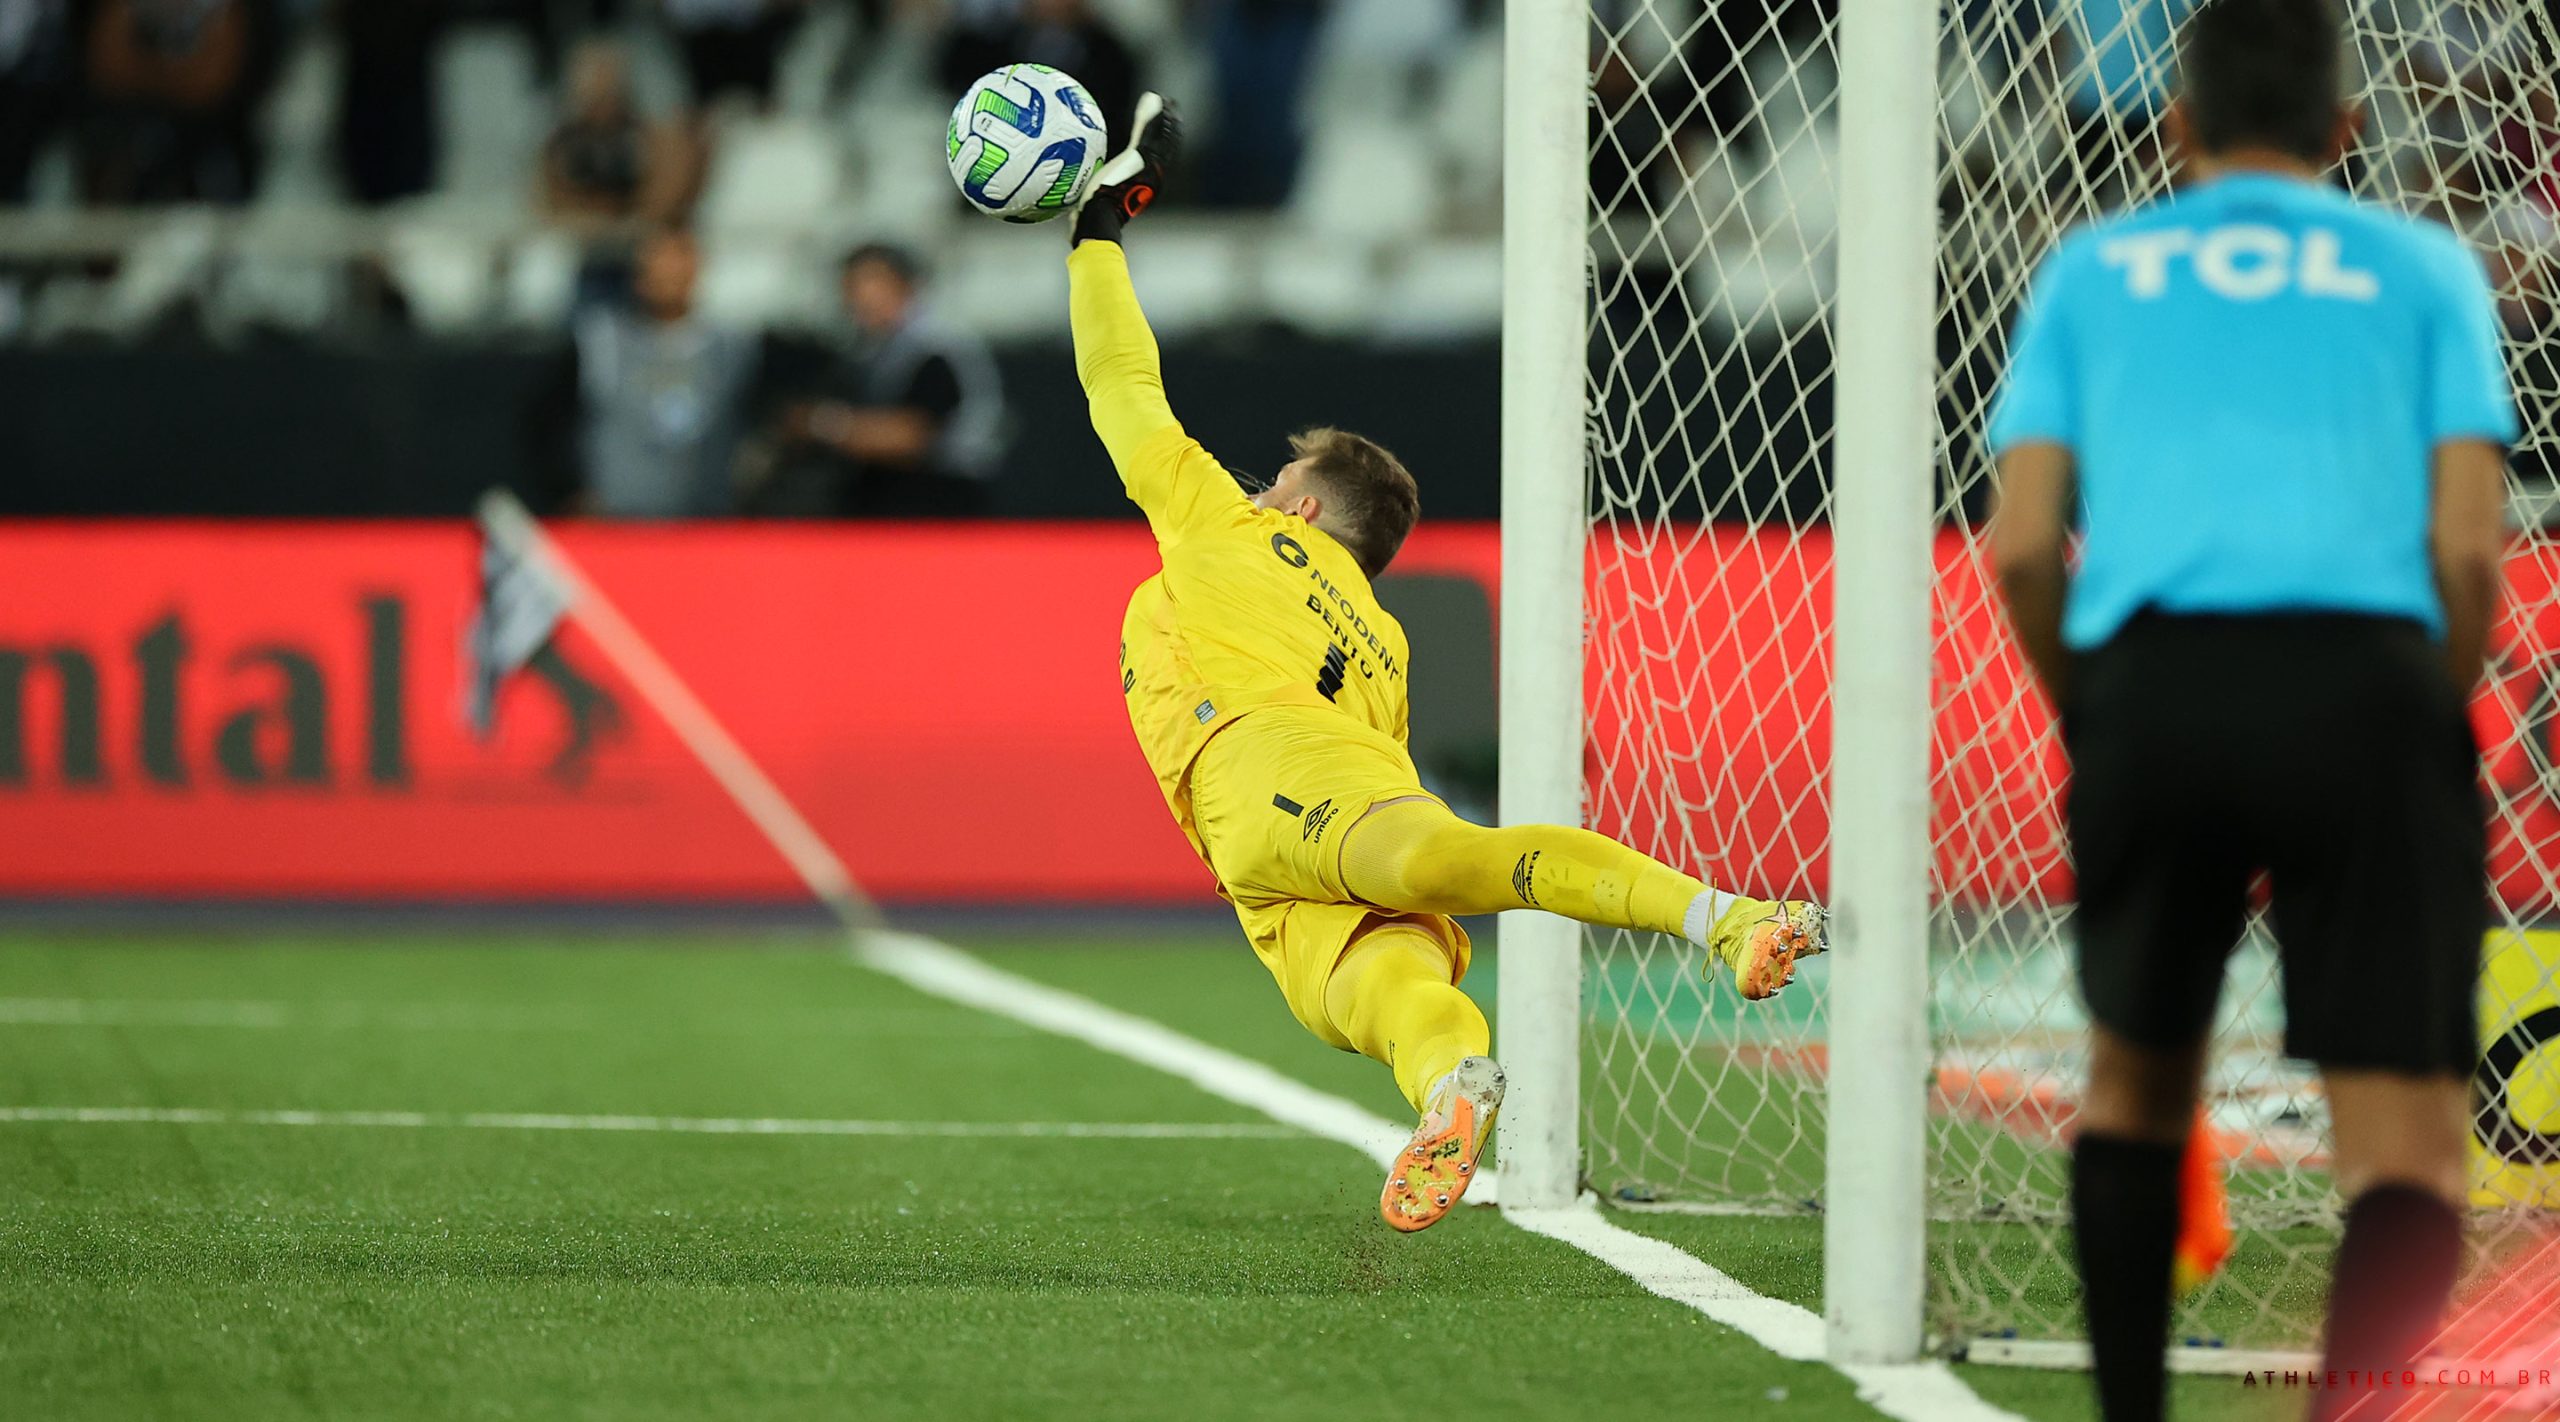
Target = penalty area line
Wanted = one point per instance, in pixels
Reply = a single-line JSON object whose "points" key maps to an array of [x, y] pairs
{"points": [[670, 1125], [1908, 1392]]}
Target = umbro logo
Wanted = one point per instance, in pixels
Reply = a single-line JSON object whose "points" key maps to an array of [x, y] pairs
{"points": [[1524, 878], [1312, 821], [1317, 819]]}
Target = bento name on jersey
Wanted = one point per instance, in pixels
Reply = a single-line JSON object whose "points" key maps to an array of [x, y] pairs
{"points": [[1294, 553]]}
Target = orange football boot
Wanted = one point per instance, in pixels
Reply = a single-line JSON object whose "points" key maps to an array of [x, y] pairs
{"points": [[1761, 941], [1429, 1175]]}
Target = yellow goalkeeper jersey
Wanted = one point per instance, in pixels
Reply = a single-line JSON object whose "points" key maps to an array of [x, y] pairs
{"points": [[1253, 608]]}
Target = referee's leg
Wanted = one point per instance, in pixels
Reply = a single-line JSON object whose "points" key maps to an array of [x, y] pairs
{"points": [[2398, 1163], [2379, 906], [2125, 1205], [2164, 864]]}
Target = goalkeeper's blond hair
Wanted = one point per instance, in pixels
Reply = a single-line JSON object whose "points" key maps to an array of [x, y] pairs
{"points": [[1371, 502]]}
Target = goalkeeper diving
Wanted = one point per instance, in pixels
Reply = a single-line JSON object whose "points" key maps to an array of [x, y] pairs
{"points": [[1267, 689]]}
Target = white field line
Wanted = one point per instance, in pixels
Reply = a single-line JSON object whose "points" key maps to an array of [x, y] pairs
{"points": [[272, 1016], [506, 520], [1912, 1392], [945, 972], [677, 1125], [1909, 1392], [277, 1015]]}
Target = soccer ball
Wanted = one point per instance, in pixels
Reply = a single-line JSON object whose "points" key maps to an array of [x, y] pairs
{"points": [[1025, 143]]}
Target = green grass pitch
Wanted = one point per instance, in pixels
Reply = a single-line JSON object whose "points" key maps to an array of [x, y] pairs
{"points": [[215, 1268]]}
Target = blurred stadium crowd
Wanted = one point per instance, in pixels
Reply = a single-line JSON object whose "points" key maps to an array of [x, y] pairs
{"points": [[675, 184], [1715, 124], [480, 150]]}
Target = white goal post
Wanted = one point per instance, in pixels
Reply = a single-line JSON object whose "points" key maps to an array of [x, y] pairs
{"points": [[1873, 1253], [1762, 258], [1884, 434], [1545, 207]]}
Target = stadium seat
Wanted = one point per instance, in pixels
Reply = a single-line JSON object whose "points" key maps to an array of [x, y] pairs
{"points": [[1800, 190], [1365, 180], [658, 82], [494, 115], [448, 276], [998, 282], [806, 72], [272, 292], [1146, 24], [1466, 121], [173, 261], [1443, 290], [66, 307], [1798, 195], [1770, 284], [896, 66], [1371, 52], [299, 123], [1713, 199], [1321, 288], [1190, 277], [905, 193], [758, 282], [53, 185], [1184, 70], [1966, 102], [774, 178], [541, 281]]}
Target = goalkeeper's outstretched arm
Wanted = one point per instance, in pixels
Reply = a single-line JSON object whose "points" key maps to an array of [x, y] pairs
{"points": [[1116, 355], [1167, 473]]}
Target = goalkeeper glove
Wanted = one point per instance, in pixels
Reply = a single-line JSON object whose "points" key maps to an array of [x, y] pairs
{"points": [[1128, 182]]}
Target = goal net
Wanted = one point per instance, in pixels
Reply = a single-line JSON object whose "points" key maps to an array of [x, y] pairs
{"points": [[1714, 214]]}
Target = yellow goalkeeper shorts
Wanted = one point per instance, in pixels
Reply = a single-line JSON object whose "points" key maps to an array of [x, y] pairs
{"points": [[1272, 796]]}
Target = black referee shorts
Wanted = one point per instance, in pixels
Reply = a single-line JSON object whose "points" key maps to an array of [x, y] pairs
{"points": [[2331, 752]]}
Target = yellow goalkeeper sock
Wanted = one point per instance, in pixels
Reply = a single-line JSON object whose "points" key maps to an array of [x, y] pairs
{"points": [[1391, 996], [1414, 856]]}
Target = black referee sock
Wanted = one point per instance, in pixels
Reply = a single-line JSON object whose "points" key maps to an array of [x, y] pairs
{"points": [[2387, 1295], [2124, 1217]]}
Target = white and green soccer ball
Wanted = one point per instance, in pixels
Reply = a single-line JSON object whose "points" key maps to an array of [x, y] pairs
{"points": [[1025, 143]]}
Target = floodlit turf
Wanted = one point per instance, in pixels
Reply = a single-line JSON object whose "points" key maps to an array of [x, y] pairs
{"points": [[237, 1270], [1779, 1257], [275, 1271]]}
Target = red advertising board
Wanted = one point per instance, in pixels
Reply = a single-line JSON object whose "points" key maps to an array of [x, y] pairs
{"points": [[272, 710]]}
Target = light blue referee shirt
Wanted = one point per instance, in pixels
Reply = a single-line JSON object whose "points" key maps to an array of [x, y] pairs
{"points": [[2252, 378]]}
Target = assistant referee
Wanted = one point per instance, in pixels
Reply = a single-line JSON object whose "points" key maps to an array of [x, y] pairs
{"points": [[2282, 417]]}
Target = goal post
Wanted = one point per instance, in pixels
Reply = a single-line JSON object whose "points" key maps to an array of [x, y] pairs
{"points": [[1883, 453], [1763, 260], [1545, 202]]}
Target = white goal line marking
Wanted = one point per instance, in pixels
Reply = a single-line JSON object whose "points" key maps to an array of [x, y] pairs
{"points": [[1908, 1392], [677, 1125]]}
